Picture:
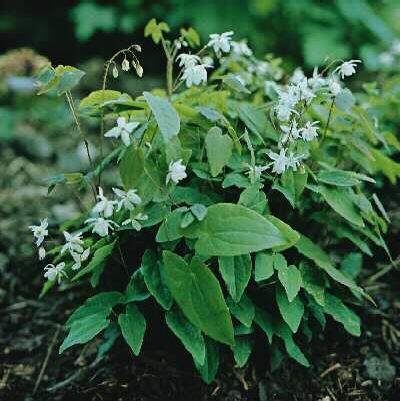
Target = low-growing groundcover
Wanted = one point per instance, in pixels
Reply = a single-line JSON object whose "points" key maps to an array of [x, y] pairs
{"points": [[244, 203]]}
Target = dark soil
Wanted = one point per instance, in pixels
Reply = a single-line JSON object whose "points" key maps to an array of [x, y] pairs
{"points": [[344, 368]]}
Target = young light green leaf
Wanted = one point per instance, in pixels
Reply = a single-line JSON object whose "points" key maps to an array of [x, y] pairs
{"points": [[292, 312], [219, 150], [166, 116], [190, 335], [133, 327], [199, 295], [131, 166], [236, 272]]}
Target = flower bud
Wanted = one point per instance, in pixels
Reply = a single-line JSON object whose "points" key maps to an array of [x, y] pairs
{"points": [[139, 70], [125, 65], [115, 72]]}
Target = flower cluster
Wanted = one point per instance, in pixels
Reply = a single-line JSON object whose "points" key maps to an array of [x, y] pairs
{"points": [[193, 71]]}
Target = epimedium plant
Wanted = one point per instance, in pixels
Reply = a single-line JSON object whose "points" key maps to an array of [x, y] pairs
{"points": [[240, 201]]}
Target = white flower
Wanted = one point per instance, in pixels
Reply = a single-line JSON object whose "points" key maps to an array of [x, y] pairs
{"points": [[135, 221], [115, 72], [334, 86], [207, 61], [316, 81], [195, 75], [303, 91], [104, 205], [294, 161], [176, 172], [73, 242], [309, 131], [101, 226], [42, 253], [128, 199], [123, 130], [347, 68], [220, 42], [290, 132], [79, 258], [241, 48], [55, 272], [255, 171], [298, 76], [280, 161], [39, 232], [284, 111], [188, 60], [125, 65]]}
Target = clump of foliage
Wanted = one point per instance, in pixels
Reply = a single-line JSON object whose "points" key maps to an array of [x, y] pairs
{"points": [[238, 200]]}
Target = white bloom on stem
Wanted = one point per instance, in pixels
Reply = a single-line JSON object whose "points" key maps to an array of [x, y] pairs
{"points": [[104, 206], [334, 86], [73, 243], [79, 258], [188, 60], [115, 72], [347, 68], [128, 199], [53, 272], [135, 221], [176, 171], [280, 163], [303, 91], [309, 131], [122, 130], [125, 64], [207, 61], [316, 81], [255, 171], [294, 161], [298, 76], [42, 253], [221, 43], [241, 48], [290, 132], [39, 232], [194, 75], [101, 226], [284, 111]]}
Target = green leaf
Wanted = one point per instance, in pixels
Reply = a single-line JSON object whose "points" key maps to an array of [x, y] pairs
{"points": [[166, 116], [236, 272], [69, 78], [233, 82], [155, 30], [242, 349], [136, 289], [254, 199], [190, 335], [291, 236], [219, 150], [292, 312], [191, 36], [344, 101], [352, 264], [153, 277], [131, 166], [313, 282], [290, 278], [264, 267], [133, 327], [209, 369], [244, 310], [199, 295], [342, 314], [338, 178], [340, 201], [266, 323], [97, 98], [170, 228], [199, 211], [232, 230], [100, 256]]}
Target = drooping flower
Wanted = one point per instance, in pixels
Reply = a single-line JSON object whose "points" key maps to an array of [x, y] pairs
{"points": [[135, 221], [284, 111], [42, 253], [194, 75], [115, 72], [73, 243], [188, 60], [122, 130], [298, 76], [101, 226], [293, 161], [53, 272], [125, 64], [128, 199], [309, 131], [79, 258], [334, 86], [290, 132], [221, 43], [316, 81], [176, 171], [280, 161], [241, 48], [104, 206], [347, 68], [40, 232]]}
